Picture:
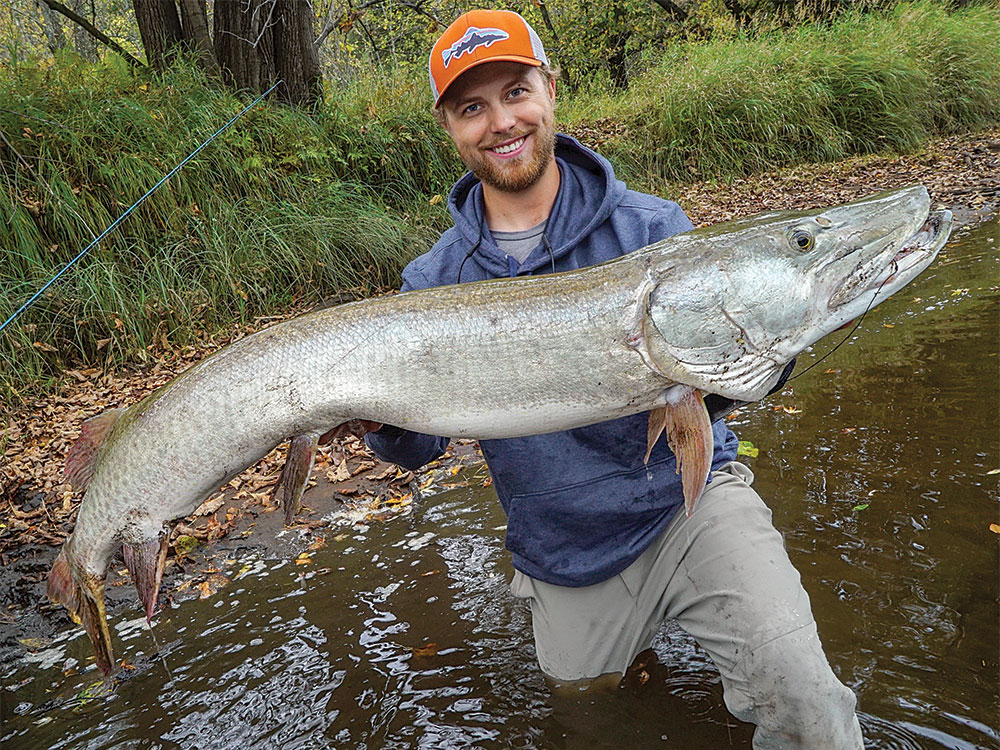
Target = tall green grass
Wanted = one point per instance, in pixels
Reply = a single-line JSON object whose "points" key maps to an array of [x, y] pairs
{"points": [[862, 83], [283, 208], [289, 207]]}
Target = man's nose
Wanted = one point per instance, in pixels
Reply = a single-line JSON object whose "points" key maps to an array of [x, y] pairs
{"points": [[502, 120]]}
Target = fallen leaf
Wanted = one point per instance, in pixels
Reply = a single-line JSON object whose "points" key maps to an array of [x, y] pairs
{"points": [[429, 650], [861, 506], [340, 474], [184, 544], [995, 528], [746, 448], [209, 506]]}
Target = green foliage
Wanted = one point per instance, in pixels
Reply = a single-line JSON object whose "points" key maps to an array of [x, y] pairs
{"points": [[284, 208], [289, 207], [863, 83]]}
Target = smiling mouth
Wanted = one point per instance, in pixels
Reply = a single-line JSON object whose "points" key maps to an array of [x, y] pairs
{"points": [[508, 148]]}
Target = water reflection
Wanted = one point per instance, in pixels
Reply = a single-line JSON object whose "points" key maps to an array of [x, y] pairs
{"points": [[880, 482]]}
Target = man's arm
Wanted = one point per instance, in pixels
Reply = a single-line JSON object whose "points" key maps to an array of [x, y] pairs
{"points": [[411, 450]]}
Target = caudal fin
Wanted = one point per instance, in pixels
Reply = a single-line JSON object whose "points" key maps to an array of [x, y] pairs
{"points": [[85, 603]]}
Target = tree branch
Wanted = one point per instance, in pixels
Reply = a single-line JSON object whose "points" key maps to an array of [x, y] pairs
{"points": [[675, 11], [94, 32]]}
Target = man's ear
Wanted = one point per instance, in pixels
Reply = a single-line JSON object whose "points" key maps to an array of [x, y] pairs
{"points": [[441, 115], [552, 89]]}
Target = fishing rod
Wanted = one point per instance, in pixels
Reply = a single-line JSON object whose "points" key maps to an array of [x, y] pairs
{"points": [[138, 203]]}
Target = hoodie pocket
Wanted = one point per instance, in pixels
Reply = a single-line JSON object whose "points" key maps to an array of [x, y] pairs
{"points": [[586, 532]]}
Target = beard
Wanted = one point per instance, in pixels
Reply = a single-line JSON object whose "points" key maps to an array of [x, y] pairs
{"points": [[521, 173]]}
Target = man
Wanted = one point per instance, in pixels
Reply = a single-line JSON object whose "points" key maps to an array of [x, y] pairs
{"points": [[599, 547]]}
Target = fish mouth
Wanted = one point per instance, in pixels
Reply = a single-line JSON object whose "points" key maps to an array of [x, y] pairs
{"points": [[890, 269], [918, 251]]}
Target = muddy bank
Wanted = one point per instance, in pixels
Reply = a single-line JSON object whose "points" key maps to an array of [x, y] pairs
{"points": [[37, 509]]}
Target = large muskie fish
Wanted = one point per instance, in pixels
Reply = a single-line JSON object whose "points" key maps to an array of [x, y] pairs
{"points": [[718, 310]]}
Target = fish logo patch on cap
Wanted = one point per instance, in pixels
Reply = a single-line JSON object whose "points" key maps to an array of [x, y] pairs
{"points": [[472, 40]]}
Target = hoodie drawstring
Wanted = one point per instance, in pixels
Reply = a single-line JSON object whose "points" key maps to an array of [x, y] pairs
{"points": [[479, 241]]}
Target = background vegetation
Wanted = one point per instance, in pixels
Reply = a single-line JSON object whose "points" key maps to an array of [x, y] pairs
{"points": [[294, 206]]}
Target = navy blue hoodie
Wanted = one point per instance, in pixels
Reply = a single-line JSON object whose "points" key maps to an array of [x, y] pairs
{"points": [[581, 506]]}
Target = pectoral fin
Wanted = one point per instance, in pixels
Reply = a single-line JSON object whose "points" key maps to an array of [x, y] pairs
{"points": [[145, 563], [295, 474], [657, 421], [689, 434]]}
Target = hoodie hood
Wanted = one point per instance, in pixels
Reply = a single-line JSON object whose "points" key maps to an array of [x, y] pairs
{"points": [[587, 182]]}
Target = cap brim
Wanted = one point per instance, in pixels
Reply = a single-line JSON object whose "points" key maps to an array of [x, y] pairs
{"points": [[499, 58]]}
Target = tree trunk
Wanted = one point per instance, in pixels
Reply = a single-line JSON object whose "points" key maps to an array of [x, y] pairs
{"points": [[159, 28], [259, 41], [83, 42], [194, 22], [244, 44], [297, 61], [54, 34]]}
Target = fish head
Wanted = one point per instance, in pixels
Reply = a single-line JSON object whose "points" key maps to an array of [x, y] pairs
{"points": [[733, 303]]}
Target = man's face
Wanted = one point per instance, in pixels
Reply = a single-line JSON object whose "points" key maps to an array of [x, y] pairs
{"points": [[501, 117]]}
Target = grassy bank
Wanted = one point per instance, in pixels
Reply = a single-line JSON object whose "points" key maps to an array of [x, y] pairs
{"points": [[290, 207], [284, 208], [858, 84]]}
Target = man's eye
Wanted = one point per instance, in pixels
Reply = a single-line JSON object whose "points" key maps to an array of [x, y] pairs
{"points": [[471, 109], [516, 92]]}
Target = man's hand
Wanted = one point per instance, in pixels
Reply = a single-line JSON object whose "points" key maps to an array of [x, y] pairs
{"points": [[357, 427]]}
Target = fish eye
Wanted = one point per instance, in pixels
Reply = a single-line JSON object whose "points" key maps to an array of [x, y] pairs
{"points": [[802, 240]]}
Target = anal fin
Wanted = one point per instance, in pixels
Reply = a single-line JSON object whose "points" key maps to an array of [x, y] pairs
{"points": [[145, 562], [295, 474]]}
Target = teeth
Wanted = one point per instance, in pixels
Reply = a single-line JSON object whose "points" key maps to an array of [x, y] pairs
{"points": [[509, 147]]}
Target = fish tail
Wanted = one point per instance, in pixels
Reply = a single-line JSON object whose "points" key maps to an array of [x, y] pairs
{"points": [[61, 588], [85, 603]]}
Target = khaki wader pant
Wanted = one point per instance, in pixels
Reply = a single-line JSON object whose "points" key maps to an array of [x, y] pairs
{"points": [[724, 576]]}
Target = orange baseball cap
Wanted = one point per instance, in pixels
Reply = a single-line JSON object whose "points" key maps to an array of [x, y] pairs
{"points": [[481, 36]]}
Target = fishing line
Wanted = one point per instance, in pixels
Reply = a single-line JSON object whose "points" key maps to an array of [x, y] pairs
{"points": [[163, 656], [138, 203], [895, 268]]}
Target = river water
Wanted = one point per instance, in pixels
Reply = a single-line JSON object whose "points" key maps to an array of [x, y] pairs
{"points": [[880, 467]]}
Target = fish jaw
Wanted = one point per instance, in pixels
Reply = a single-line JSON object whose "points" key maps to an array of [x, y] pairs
{"points": [[83, 596]]}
